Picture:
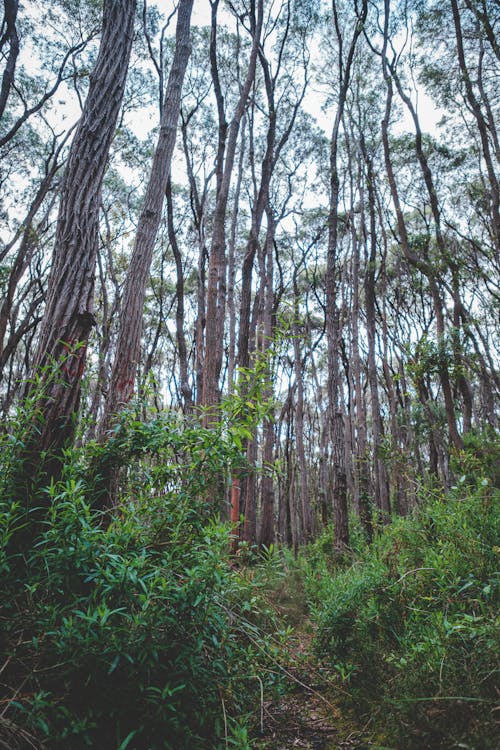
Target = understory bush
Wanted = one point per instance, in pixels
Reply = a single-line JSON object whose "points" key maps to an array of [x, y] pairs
{"points": [[134, 633], [412, 625]]}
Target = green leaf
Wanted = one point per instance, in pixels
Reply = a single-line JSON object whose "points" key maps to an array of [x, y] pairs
{"points": [[127, 740]]}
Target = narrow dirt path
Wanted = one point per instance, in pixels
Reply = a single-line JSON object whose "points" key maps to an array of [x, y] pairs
{"points": [[309, 716]]}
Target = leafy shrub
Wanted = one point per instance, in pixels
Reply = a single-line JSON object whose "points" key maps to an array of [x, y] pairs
{"points": [[413, 623], [137, 634]]}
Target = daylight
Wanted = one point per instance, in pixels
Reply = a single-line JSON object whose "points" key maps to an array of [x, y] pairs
{"points": [[249, 375]]}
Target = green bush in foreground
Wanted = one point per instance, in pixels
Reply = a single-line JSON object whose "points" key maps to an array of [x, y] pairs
{"points": [[138, 635], [413, 625]]}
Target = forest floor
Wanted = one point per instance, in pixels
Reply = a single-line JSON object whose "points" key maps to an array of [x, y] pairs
{"points": [[310, 715]]}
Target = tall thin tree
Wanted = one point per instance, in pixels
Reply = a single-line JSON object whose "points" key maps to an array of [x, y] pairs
{"points": [[332, 310], [128, 346]]}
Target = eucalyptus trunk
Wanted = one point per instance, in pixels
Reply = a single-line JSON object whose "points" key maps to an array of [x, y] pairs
{"points": [[128, 348], [68, 318], [216, 282], [333, 331]]}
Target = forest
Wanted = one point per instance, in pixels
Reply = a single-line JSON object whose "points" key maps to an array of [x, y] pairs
{"points": [[249, 375]]}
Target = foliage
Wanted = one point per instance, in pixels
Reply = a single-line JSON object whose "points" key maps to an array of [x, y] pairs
{"points": [[137, 634], [412, 624]]}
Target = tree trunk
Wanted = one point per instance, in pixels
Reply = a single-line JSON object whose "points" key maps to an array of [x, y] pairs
{"points": [[482, 127], [267, 526], [10, 16], [382, 494], [216, 286], [305, 512], [424, 266], [332, 313], [185, 388], [68, 319], [128, 346], [359, 426]]}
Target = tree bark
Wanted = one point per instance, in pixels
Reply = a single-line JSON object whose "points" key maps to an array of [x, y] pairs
{"points": [[305, 511], [128, 346], [185, 387], [332, 313], [216, 285], [382, 494], [9, 19], [267, 526], [68, 318]]}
